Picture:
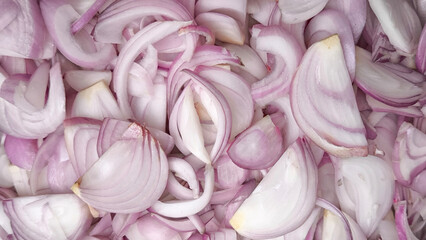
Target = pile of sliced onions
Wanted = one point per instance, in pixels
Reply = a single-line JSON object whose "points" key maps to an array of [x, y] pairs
{"points": [[200, 119]]}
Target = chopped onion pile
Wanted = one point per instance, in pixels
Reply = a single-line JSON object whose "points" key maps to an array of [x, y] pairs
{"points": [[202, 119]]}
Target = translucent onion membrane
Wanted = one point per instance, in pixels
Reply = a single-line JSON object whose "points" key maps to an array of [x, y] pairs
{"points": [[364, 187], [322, 88], [293, 178]]}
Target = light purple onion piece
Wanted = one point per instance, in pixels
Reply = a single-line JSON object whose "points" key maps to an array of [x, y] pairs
{"points": [[258, 147], [321, 91], [61, 216], [21, 152], [327, 23], [421, 56]]}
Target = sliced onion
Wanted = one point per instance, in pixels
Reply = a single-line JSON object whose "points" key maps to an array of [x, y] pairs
{"points": [[237, 94], [6, 180], [228, 174], [234, 9], [224, 27], [52, 171], [81, 139], [97, 102], [322, 88], [306, 229], [22, 31], [82, 79], [326, 188], [294, 11], [401, 221], [327, 23], [409, 157], [421, 56], [25, 124], [61, 216], [149, 227], [150, 34], [333, 227], [114, 19], [59, 16], [293, 178], [21, 152], [364, 187], [400, 23], [377, 106], [286, 55], [380, 83], [130, 185], [355, 10], [258, 147]]}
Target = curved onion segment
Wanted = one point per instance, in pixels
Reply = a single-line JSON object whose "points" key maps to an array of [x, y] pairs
{"points": [[400, 23], [295, 11], [409, 158], [60, 216], [323, 101], [36, 124], [365, 187], [258, 147], [129, 177], [283, 200], [382, 84]]}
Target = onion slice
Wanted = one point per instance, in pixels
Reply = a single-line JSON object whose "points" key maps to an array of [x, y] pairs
{"points": [[128, 178], [292, 179], [381, 84], [409, 156], [36, 124], [295, 11], [323, 101], [59, 16], [364, 187], [258, 147], [400, 23], [60, 216]]}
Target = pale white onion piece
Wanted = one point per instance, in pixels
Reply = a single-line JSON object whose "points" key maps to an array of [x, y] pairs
{"points": [[364, 187], [292, 179], [96, 102], [400, 23], [82, 79], [60, 216], [295, 11], [36, 124]]}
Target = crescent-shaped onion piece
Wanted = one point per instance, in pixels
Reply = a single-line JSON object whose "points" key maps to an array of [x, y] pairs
{"points": [[293, 180], [60, 216], [409, 156], [36, 124], [295, 11], [380, 83], [364, 187], [129, 177], [323, 101]]}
